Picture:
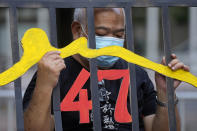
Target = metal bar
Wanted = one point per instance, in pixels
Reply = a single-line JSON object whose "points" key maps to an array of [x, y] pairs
{"points": [[65, 4], [93, 73], [15, 56], [93, 69], [56, 90], [133, 88], [87, 3], [169, 81], [182, 106], [10, 114], [53, 30]]}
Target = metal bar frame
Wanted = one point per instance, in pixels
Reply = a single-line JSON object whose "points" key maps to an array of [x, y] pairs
{"points": [[90, 5], [95, 3], [93, 72], [56, 90], [15, 58], [133, 88], [169, 81]]}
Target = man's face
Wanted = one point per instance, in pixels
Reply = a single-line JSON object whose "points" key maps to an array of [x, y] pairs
{"points": [[109, 23]]}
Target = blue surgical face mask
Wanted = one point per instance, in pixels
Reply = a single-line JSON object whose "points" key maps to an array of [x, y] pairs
{"points": [[104, 41]]}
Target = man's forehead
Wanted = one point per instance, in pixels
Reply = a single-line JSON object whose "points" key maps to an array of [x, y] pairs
{"points": [[115, 21], [81, 16], [118, 11]]}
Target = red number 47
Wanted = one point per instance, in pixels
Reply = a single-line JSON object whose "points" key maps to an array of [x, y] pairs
{"points": [[121, 113]]}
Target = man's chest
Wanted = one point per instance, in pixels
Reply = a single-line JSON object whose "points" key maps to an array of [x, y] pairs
{"points": [[113, 88]]}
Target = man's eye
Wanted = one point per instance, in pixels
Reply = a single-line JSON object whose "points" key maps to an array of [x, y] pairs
{"points": [[120, 36], [99, 34]]}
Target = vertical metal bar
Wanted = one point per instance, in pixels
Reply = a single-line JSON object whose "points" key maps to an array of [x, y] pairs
{"points": [[183, 114], [133, 88], [53, 30], [15, 56], [10, 121], [169, 81], [93, 73], [56, 90]]}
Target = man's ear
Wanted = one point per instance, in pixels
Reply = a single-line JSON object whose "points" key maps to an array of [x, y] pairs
{"points": [[76, 29]]}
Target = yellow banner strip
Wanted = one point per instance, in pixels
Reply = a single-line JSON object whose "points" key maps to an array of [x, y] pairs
{"points": [[35, 44]]}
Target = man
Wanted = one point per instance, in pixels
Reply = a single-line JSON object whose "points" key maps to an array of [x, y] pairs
{"points": [[109, 30]]}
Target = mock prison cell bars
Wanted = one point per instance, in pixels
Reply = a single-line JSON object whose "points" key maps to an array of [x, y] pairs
{"points": [[90, 5]]}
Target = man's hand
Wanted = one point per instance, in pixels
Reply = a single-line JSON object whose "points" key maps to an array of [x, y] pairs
{"points": [[160, 119], [49, 68], [37, 116], [160, 80]]}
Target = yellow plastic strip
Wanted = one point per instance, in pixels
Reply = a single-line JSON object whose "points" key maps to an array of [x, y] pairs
{"points": [[35, 44]]}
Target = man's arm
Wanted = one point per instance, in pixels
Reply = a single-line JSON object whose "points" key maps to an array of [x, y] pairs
{"points": [[37, 116], [159, 121]]}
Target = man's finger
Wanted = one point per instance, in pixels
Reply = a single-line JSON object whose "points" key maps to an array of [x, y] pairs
{"points": [[173, 63], [177, 66], [186, 68], [173, 56], [54, 57], [52, 53], [163, 62], [58, 61], [60, 66]]}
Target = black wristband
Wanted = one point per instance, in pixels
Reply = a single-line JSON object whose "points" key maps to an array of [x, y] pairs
{"points": [[165, 104]]}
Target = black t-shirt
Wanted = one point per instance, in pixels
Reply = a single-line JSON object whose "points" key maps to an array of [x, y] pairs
{"points": [[108, 95]]}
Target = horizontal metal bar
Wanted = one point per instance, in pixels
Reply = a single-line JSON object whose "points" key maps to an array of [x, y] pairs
{"points": [[140, 1], [65, 4], [87, 3], [133, 1]]}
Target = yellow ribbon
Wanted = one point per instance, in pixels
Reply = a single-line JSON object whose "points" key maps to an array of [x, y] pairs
{"points": [[35, 44]]}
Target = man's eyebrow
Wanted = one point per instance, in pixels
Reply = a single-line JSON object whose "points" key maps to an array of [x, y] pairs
{"points": [[107, 29], [119, 30], [102, 27]]}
